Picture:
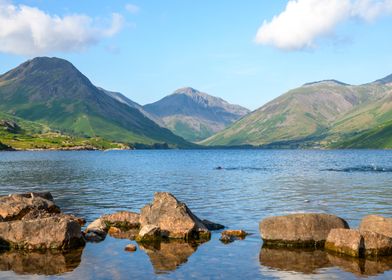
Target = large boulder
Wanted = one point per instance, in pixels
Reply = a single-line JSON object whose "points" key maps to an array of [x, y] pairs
{"points": [[55, 232], [16, 206], [299, 230], [345, 241], [96, 231], [174, 218], [377, 224]]}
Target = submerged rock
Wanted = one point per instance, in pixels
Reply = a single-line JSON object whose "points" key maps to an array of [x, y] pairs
{"points": [[299, 230], [174, 218], [378, 224], [56, 232]]}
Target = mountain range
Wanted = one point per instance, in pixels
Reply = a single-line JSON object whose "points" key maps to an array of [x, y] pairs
{"points": [[52, 92], [47, 103], [325, 114]]}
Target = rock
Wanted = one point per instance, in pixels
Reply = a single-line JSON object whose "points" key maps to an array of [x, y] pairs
{"points": [[114, 230], [298, 260], [299, 230], [10, 126], [16, 206], [149, 233], [358, 244], [212, 226], [122, 219], [229, 236], [376, 244], [377, 224], [56, 232], [174, 218], [130, 248], [345, 241], [46, 262], [169, 255], [96, 228]]}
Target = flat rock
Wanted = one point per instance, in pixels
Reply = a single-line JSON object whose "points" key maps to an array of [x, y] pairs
{"points": [[299, 230], [345, 241], [56, 232], [122, 219], [174, 218], [16, 206], [376, 244], [378, 224]]}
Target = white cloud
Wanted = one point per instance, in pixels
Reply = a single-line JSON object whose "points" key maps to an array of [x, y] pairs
{"points": [[304, 21], [133, 9], [26, 30]]}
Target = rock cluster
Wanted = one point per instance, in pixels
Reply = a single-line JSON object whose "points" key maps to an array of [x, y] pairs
{"points": [[312, 230], [164, 218], [33, 221]]}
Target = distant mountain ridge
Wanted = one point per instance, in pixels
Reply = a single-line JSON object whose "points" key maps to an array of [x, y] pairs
{"points": [[327, 114], [53, 92], [194, 115]]}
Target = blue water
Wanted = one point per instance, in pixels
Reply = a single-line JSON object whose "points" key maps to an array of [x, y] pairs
{"points": [[249, 186]]}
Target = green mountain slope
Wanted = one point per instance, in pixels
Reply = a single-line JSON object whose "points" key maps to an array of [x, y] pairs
{"points": [[194, 115], [321, 114], [53, 92]]}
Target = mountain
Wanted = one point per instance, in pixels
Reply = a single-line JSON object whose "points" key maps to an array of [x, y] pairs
{"points": [[321, 114], [51, 91], [194, 115]]}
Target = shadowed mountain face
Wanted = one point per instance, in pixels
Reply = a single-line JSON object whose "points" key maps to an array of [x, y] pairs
{"points": [[194, 115], [53, 92], [322, 114]]}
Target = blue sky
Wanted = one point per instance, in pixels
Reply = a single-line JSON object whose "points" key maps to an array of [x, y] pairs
{"points": [[148, 49]]}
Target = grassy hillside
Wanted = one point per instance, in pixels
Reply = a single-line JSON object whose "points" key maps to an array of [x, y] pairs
{"points": [[320, 114], [52, 92], [30, 135]]}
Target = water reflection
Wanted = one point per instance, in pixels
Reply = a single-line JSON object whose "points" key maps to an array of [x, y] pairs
{"points": [[361, 267], [169, 255], [42, 263], [304, 261], [311, 261]]}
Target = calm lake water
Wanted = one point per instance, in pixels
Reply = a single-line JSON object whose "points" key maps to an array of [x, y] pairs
{"points": [[252, 185]]}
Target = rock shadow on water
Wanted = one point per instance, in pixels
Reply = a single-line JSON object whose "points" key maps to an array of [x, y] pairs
{"points": [[168, 255], [40, 262], [310, 261]]}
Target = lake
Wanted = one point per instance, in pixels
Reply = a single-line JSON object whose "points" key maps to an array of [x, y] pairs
{"points": [[252, 185]]}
